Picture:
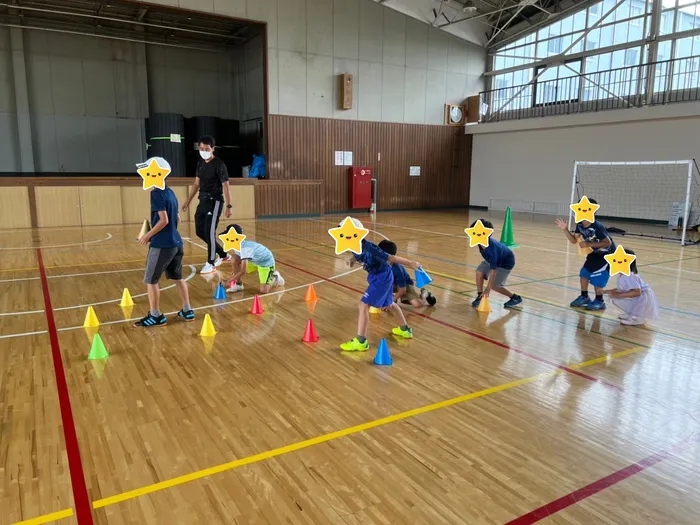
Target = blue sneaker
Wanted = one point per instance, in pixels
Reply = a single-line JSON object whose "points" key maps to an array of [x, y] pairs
{"points": [[477, 301], [514, 301], [596, 305], [580, 301], [150, 320], [187, 316]]}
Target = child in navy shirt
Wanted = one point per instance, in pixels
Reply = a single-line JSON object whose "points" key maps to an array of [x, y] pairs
{"points": [[596, 270], [499, 261], [379, 293], [404, 289]]}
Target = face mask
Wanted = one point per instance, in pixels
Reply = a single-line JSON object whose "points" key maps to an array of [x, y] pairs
{"points": [[206, 155]]}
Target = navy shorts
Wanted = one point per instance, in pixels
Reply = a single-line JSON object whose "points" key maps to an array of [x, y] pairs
{"points": [[380, 292], [596, 270]]}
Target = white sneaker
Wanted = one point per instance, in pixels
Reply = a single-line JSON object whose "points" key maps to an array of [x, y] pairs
{"points": [[208, 268], [280, 280], [218, 261], [235, 287], [633, 321], [623, 316]]}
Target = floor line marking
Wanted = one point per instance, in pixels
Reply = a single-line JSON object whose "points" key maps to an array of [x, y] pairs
{"points": [[601, 484], [75, 464], [186, 478], [48, 518], [109, 236]]}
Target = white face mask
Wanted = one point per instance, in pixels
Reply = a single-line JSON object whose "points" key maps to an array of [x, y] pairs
{"points": [[206, 155]]}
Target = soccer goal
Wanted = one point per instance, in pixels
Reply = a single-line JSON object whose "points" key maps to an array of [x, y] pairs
{"points": [[658, 199]]}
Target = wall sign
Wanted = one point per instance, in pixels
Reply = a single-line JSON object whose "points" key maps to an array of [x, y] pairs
{"points": [[414, 171]]}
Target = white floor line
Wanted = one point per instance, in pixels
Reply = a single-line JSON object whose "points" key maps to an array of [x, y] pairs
{"points": [[193, 272], [672, 269], [26, 334], [109, 236], [71, 275]]}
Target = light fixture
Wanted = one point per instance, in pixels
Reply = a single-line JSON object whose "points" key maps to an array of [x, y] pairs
{"points": [[469, 7]]}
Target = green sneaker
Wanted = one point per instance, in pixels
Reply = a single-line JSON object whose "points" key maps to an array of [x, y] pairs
{"points": [[354, 345], [406, 334]]}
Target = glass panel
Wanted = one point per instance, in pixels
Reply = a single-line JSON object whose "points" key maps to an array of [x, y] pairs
{"points": [[593, 40], [621, 29], [666, 22], [558, 84]]}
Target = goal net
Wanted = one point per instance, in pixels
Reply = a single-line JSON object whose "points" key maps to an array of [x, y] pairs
{"points": [[652, 199]]}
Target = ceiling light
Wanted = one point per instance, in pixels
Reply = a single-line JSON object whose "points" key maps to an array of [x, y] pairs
{"points": [[469, 7]]}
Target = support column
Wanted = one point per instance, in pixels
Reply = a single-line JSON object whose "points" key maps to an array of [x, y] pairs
{"points": [[24, 123], [653, 56]]}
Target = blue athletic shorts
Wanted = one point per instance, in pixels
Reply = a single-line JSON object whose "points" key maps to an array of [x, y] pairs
{"points": [[380, 292], [596, 270]]}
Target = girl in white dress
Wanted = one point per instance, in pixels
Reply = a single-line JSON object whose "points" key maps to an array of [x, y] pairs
{"points": [[634, 297]]}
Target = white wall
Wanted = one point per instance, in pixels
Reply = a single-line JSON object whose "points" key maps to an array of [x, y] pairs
{"points": [[405, 70], [536, 165]]}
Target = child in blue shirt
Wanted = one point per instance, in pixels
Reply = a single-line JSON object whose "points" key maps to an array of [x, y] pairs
{"points": [[596, 270], [404, 290], [499, 261], [379, 293]]}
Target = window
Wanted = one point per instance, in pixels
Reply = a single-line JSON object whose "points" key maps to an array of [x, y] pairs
{"points": [[554, 46], [631, 57], [558, 84], [636, 10]]}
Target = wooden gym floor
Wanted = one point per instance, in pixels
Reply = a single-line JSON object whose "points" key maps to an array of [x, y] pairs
{"points": [[541, 415]]}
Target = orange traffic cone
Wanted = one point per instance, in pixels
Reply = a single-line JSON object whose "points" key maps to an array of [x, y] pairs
{"points": [[310, 335], [311, 294], [257, 308]]}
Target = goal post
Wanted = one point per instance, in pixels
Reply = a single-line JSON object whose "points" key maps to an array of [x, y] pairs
{"points": [[658, 199]]}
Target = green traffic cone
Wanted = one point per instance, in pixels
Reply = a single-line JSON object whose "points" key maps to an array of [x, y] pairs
{"points": [[507, 233], [98, 350]]}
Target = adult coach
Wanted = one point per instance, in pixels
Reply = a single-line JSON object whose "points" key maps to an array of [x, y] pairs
{"points": [[211, 181]]}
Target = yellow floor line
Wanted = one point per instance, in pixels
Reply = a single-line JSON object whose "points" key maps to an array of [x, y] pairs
{"points": [[180, 480]]}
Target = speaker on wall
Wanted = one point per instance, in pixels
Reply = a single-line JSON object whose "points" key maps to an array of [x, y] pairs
{"points": [[345, 91]]}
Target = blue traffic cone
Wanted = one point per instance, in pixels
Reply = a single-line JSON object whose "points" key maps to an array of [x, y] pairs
{"points": [[383, 357], [220, 292], [422, 278]]}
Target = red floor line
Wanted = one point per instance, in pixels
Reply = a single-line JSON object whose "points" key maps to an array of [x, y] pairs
{"points": [[473, 334], [603, 483], [75, 464]]}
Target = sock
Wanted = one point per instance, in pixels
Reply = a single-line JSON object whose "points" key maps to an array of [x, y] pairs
{"points": [[405, 328], [186, 307], [361, 339], [155, 313], [599, 297], [584, 293]]}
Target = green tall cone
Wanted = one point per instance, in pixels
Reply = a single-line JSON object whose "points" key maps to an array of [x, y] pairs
{"points": [[98, 350], [507, 233]]}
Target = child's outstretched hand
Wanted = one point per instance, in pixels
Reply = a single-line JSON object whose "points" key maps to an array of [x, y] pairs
{"points": [[415, 265], [562, 224]]}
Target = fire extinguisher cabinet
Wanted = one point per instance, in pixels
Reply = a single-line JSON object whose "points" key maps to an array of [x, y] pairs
{"points": [[360, 187]]}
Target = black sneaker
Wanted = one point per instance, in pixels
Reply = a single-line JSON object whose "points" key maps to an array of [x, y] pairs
{"points": [[149, 320], [187, 316], [431, 299], [477, 301]]}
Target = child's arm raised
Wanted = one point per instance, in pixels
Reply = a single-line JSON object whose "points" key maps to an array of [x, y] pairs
{"points": [[395, 258], [563, 226]]}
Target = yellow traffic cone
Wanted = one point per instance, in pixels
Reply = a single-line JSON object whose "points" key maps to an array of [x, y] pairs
{"points": [[374, 310], [583, 252], [145, 228], [127, 300], [484, 306], [208, 329], [90, 333], [91, 320]]}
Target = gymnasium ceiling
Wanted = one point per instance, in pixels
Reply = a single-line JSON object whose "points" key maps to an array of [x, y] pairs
{"points": [[484, 22]]}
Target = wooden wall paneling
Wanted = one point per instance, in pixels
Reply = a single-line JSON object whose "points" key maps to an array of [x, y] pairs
{"points": [[136, 205], [58, 206], [100, 205], [14, 209], [289, 199], [243, 198], [181, 192]]}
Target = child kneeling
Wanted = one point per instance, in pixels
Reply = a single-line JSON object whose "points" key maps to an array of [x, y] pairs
{"points": [[634, 297], [253, 256], [404, 289]]}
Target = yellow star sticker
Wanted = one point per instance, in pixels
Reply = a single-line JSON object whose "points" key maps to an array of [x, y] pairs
{"points": [[154, 172], [479, 234], [348, 236], [620, 261], [585, 210], [232, 239]]}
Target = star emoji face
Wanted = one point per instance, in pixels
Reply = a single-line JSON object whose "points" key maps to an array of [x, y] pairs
{"points": [[585, 210], [232, 239], [620, 261], [348, 236], [479, 234], [153, 172]]}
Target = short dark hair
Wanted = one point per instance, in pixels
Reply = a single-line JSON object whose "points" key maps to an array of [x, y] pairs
{"points": [[633, 266], [593, 201], [208, 140], [236, 227], [388, 246], [487, 224]]}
